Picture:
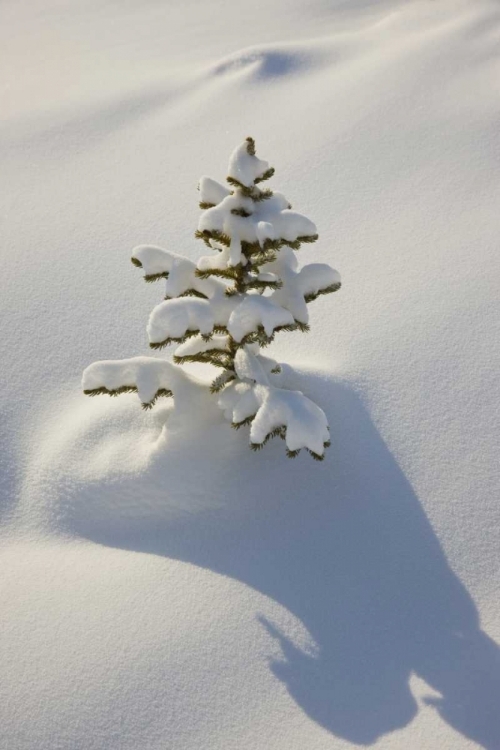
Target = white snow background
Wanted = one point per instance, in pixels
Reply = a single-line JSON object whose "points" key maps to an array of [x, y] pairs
{"points": [[176, 590]]}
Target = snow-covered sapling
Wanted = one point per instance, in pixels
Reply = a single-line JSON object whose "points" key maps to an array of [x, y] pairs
{"points": [[229, 305]]}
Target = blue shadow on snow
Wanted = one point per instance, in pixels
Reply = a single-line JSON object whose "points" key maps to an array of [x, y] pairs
{"points": [[346, 547]]}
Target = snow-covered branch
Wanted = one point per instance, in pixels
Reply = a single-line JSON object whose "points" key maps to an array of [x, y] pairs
{"points": [[276, 412], [149, 378]]}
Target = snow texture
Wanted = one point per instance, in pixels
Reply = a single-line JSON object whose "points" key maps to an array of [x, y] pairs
{"points": [[270, 365], [176, 317], [249, 366], [154, 260], [162, 585], [197, 344], [255, 311], [180, 272], [212, 191], [306, 424], [311, 279], [245, 167], [239, 402], [220, 260]]}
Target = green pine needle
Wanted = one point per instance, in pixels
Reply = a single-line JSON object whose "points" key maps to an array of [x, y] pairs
{"points": [[243, 423], [266, 176], [261, 195], [232, 272], [161, 392], [114, 392], [221, 381], [327, 290], [240, 212], [128, 389], [250, 146], [189, 293], [259, 284], [316, 456], [166, 342], [208, 236], [151, 277]]}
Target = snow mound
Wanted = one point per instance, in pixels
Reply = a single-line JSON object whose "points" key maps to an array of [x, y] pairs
{"points": [[266, 62], [106, 476], [91, 447], [114, 472]]}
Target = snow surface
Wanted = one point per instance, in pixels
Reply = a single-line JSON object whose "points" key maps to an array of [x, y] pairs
{"points": [[162, 585]]}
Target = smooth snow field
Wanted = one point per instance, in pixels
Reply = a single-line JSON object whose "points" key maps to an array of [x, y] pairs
{"points": [[163, 587]]}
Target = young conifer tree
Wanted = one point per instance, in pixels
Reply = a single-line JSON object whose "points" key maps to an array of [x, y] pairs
{"points": [[228, 306]]}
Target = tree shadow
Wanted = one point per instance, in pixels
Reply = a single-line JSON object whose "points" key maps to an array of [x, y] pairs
{"points": [[345, 546]]}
